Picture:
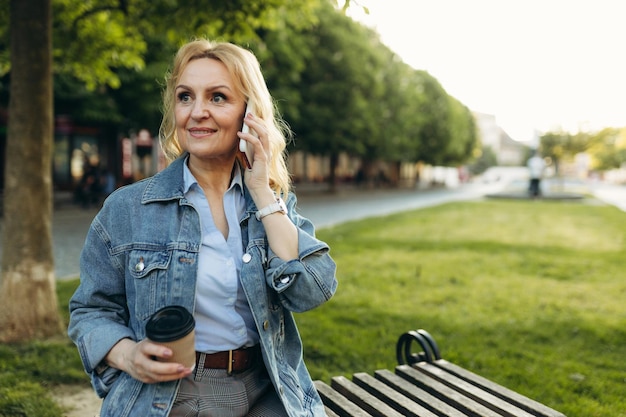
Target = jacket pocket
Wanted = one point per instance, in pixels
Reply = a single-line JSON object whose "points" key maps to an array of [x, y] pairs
{"points": [[148, 268], [122, 398]]}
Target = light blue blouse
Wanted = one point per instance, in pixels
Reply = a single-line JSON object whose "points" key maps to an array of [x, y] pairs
{"points": [[223, 317]]}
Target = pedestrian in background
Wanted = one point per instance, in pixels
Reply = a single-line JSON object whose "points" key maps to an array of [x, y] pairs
{"points": [[88, 190], [536, 166], [214, 237]]}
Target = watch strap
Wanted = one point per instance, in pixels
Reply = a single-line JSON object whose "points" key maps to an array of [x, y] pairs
{"points": [[276, 207]]}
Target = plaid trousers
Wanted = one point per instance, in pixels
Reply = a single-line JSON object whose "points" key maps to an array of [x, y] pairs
{"points": [[214, 393]]}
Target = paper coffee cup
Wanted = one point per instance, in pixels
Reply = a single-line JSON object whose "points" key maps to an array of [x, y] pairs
{"points": [[173, 326]]}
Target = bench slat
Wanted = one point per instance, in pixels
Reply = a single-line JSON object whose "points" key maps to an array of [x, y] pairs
{"points": [[330, 413], [362, 398], [338, 403], [417, 394], [445, 393], [391, 397], [471, 391], [521, 401]]}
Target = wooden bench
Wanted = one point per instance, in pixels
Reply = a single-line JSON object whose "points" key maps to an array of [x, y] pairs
{"points": [[426, 385]]}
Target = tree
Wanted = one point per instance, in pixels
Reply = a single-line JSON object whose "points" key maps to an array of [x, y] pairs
{"points": [[563, 146], [353, 95], [340, 86], [464, 138], [485, 158], [608, 148], [27, 292], [553, 145], [434, 110]]}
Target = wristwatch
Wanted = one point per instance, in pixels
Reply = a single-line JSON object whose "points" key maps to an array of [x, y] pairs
{"points": [[276, 207]]}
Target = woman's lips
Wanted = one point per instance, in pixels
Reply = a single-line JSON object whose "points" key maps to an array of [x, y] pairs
{"points": [[197, 131]]}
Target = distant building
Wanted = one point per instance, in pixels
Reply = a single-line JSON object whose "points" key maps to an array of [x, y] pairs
{"points": [[508, 151]]}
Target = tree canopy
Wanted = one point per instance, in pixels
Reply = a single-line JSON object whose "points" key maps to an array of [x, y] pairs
{"points": [[348, 92], [607, 147], [338, 86]]}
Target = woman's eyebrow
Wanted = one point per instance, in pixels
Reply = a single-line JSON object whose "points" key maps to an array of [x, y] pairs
{"points": [[210, 88]]}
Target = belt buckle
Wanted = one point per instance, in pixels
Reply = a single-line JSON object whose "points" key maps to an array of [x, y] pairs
{"points": [[229, 367]]}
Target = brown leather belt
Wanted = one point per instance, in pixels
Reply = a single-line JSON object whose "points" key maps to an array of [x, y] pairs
{"points": [[237, 360]]}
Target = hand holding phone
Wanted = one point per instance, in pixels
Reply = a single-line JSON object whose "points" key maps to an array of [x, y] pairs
{"points": [[244, 146]]}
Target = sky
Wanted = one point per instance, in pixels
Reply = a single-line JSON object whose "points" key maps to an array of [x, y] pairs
{"points": [[536, 65]]}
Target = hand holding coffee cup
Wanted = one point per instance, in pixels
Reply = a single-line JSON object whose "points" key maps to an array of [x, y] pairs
{"points": [[173, 326]]}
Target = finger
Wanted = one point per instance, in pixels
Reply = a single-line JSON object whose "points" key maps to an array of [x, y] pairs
{"points": [[258, 126], [260, 149], [167, 371], [150, 370], [154, 350], [152, 363]]}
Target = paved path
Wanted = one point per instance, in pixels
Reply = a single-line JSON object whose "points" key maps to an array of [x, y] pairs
{"points": [[611, 194], [326, 210], [70, 223]]}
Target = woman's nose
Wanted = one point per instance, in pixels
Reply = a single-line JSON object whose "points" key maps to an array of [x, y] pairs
{"points": [[200, 110]]}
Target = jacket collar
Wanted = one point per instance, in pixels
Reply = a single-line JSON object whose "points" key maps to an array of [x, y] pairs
{"points": [[169, 184]]}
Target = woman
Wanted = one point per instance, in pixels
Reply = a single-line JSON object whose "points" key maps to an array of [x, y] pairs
{"points": [[212, 236]]}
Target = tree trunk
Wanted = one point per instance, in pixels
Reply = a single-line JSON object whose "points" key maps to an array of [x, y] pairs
{"points": [[27, 292]]}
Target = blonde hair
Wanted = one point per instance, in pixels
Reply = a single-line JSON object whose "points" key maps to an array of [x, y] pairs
{"points": [[245, 71]]}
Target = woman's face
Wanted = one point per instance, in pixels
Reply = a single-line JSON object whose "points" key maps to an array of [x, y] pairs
{"points": [[208, 110]]}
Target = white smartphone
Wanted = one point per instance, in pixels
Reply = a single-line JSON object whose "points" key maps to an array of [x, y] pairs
{"points": [[248, 151]]}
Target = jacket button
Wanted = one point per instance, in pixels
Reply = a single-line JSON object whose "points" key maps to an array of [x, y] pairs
{"points": [[140, 265], [246, 258], [266, 325]]}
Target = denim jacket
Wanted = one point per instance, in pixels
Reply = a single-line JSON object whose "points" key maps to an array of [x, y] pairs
{"points": [[141, 254]]}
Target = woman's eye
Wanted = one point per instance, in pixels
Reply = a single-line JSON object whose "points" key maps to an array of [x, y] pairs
{"points": [[183, 97], [218, 98]]}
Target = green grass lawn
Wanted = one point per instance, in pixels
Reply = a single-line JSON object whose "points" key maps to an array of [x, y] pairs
{"points": [[528, 294]]}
